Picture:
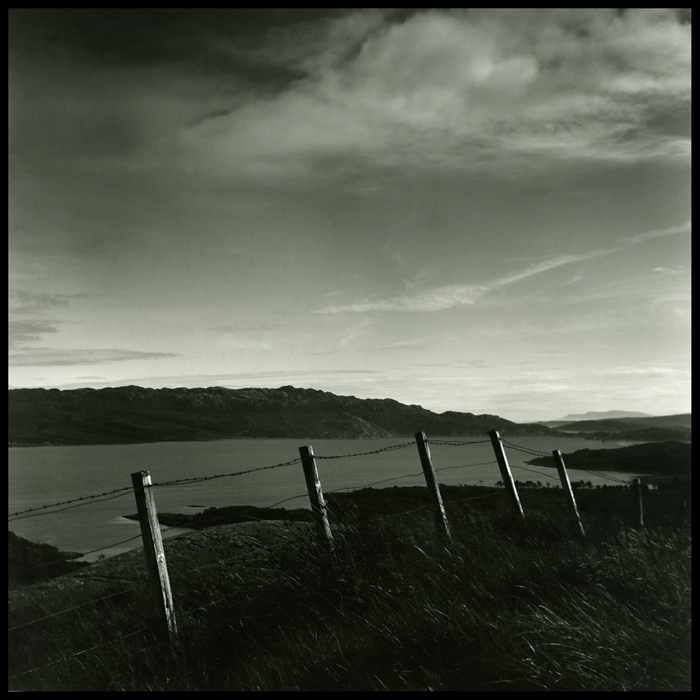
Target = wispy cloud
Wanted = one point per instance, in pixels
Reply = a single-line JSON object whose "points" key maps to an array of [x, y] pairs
{"points": [[21, 332], [245, 329], [24, 302], [450, 296], [675, 270], [69, 358]]}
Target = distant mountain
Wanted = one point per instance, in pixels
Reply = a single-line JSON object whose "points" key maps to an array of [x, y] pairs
{"points": [[596, 415], [134, 414], [681, 420], [647, 429]]}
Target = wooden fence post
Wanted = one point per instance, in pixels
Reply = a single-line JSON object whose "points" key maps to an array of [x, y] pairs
{"points": [[568, 492], [155, 555], [506, 474], [313, 486], [431, 481], [637, 496]]}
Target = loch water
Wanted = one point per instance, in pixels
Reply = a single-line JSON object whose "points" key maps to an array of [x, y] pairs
{"points": [[42, 476]]}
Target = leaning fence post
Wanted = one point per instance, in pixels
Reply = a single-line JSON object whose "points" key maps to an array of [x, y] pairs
{"points": [[155, 554], [506, 474], [431, 481], [566, 486], [637, 496], [313, 486]]}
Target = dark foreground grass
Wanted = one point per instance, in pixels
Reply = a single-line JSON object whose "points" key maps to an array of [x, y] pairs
{"points": [[504, 606]]}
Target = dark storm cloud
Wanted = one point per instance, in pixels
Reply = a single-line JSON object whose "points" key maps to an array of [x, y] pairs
{"points": [[132, 37]]}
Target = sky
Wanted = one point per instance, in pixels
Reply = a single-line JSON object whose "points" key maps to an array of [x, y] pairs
{"points": [[470, 210]]}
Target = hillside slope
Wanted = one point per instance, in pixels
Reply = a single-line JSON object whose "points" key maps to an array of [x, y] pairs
{"points": [[135, 414]]}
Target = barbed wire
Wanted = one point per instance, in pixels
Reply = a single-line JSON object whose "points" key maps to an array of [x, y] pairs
{"points": [[462, 466], [84, 651], [237, 558], [363, 454], [534, 471], [404, 512], [77, 505], [433, 441], [86, 500], [84, 554], [247, 513], [604, 476], [374, 483], [77, 607], [500, 492], [527, 450], [195, 479], [73, 500]]}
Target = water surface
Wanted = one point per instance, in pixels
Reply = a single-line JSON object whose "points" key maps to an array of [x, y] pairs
{"points": [[40, 476]]}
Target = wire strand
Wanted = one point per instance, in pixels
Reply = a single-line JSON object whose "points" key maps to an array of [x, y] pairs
{"points": [[77, 505], [195, 479], [433, 441], [363, 454], [73, 500], [78, 653], [84, 554], [76, 607]]}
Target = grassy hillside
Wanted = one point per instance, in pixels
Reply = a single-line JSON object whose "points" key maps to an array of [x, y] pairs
{"points": [[134, 414], [505, 605]]}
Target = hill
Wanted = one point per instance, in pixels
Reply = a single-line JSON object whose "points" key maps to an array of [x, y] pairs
{"points": [[669, 459], [135, 414], [29, 562]]}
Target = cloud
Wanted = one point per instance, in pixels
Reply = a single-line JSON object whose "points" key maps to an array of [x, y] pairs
{"points": [[244, 344], [402, 345], [70, 358], [29, 330], [673, 271], [462, 89], [23, 302], [450, 296], [245, 329], [345, 98], [21, 332]]}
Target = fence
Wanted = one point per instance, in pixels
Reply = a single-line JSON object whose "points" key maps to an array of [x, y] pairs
{"points": [[158, 579]]}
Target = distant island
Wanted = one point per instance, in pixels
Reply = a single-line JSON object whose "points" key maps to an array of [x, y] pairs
{"points": [[596, 415], [668, 462], [134, 414], [633, 428]]}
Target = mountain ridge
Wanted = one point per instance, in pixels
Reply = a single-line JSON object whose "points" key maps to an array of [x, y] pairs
{"points": [[133, 414]]}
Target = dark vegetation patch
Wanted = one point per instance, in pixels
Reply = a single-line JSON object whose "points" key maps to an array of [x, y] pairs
{"points": [[668, 460], [29, 562]]}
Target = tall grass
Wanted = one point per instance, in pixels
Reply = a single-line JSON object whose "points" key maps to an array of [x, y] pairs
{"points": [[505, 606]]}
